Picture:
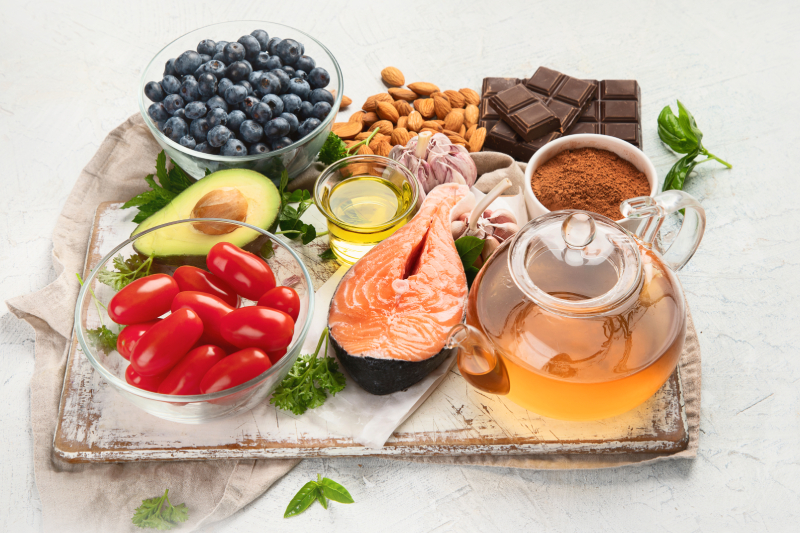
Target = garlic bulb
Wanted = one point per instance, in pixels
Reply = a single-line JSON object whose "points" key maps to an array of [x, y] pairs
{"points": [[493, 226], [435, 160]]}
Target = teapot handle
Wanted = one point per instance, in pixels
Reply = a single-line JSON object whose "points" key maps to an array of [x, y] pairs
{"points": [[652, 210], [477, 361]]}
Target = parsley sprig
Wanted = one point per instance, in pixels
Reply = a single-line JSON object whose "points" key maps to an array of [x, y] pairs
{"points": [[289, 220], [159, 513], [102, 338], [170, 183], [127, 270], [308, 381], [334, 148], [321, 490]]}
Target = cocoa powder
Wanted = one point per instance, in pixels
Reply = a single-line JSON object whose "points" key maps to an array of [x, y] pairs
{"points": [[589, 179]]}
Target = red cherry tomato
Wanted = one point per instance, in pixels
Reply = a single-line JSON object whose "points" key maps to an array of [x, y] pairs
{"points": [[191, 278], [258, 327], [184, 378], [150, 383], [163, 345], [130, 335], [209, 308], [143, 299], [276, 355], [248, 274], [283, 299], [235, 369]]}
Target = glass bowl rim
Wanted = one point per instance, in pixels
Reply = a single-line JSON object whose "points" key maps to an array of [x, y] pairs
{"points": [[171, 398], [246, 158]]}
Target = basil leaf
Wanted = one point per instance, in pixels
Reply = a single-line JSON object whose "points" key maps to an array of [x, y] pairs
{"points": [[302, 500], [688, 123], [673, 134], [321, 497], [676, 177], [469, 249], [471, 271], [335, 492]]}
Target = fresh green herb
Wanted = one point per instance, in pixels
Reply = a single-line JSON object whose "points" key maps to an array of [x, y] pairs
{"points": [[307, 382], [289, 220], [469, 250], [321, 490], [327, 254], [102, 338], [684, 137], [127, 270], [170, 183], [334, 148], [158, 513]]}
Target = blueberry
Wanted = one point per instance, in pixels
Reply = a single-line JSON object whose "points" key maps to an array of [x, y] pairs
{"points": [[301, 74], [207, 46], [308, 125], [172, 103], [306, 110], [223, 86], [251, 46], [275, 104], [199, 129], [217, 102], [300, 87], [305, 63], [158, 112], [289, 70], [281, 142], [188, 77], [219, 56], [282, 77], [180, 113], [248, 104], [289, 51], [235, 119], [246, 85], [260, 61], [272, 44], [175, 128], [254, 76], [262, 37], [169, 68], [189, 90], [195, 110], [153, 91], [321, 95], [220, 47], [207, 84], [321, 110], [258, 148], [205, 58], [268, 84], [277, 127], [233, 147], [261, 113], [302, 49], [238, 71], [294, 123], [170, 84], [160, 125], [205, 148], [319, 78], [273, 62], [218, 135], [233, 52], [249, 65], [235, 94], [291, 103], [217, 68], [217, 117], [187, 62], [251, 131], [187, 141]]}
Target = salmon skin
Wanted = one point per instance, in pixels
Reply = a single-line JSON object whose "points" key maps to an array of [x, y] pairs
{"points": [[391, 313]]}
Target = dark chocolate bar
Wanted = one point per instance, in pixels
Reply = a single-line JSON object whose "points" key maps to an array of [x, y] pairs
{"points": [[502, 138], [492, 86], [615, 112], [525, 112], [565, 96]]}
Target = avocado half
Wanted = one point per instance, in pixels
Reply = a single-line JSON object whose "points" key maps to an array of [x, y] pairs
{"points": [[183, 244]]}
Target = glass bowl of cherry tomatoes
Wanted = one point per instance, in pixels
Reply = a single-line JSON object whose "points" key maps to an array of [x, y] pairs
{"points": [[201, 334]]}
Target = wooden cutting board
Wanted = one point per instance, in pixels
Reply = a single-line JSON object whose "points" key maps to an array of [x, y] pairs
{"points": [[95, 424]]}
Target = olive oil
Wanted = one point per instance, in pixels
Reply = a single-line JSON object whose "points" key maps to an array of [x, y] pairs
{"points": [[365, 210]]}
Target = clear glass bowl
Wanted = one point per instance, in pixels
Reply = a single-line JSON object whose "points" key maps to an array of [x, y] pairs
{"points": [[285, 264], [294, 158]]}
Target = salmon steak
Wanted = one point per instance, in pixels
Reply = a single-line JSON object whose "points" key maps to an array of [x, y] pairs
{"points": [[391, 314]]}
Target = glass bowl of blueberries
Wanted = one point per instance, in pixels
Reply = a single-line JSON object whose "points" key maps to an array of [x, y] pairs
{"points": [[245, 94]]}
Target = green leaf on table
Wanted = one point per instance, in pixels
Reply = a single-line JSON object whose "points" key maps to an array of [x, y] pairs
{"points": [[327, 254], [689, 125], [158, 513], [321, 490], [334, 491], [673, 134], [676, 177], [302, 500], [321, 497]]}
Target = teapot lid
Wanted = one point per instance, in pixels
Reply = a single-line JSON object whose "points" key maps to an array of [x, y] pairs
{"points": [[575, 262]]}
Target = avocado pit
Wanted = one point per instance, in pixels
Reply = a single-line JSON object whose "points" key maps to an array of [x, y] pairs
{"points": [[228, 203]]}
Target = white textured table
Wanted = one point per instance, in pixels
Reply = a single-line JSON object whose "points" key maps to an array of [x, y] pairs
{"points": [[68, 72]]}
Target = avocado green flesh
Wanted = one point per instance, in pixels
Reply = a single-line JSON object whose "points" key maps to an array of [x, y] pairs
{"points": [[182, 243]]}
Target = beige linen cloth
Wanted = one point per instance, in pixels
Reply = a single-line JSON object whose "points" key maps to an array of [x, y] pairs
{"points": [[102, 497]]}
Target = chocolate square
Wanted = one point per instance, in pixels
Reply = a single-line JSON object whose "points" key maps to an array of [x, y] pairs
{"points": [[545, 81], [558, 90], [619, 90], [616, 112], [525, 112], [619, 111], [492, 86]]}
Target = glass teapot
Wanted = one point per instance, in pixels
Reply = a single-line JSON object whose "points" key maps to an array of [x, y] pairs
{"points": [[576, 317]]}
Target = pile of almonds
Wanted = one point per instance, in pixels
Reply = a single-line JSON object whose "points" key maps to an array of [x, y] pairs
{"points": [[403, 112]]}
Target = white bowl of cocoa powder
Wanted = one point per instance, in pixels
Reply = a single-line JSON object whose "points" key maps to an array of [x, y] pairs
{"points": [[588, 172]]}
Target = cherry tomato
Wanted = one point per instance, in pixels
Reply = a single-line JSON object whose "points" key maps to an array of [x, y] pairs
{"points": [[258, 327], [130, 335], [184, 378], [209, 308], [248, 274], [142, 300], [235, 369], [283, 299], [163, 345], [150, 383], [276, 355], [191, 278]]}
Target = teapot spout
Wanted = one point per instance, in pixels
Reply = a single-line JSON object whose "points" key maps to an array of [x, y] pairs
{"points": [[477, 360]]}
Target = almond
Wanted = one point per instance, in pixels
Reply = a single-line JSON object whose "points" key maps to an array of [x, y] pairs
{"points": [[415, 121], [471, 114], [441, 106], [437, 93], [384, 126], [227, 203], [456, 98], [425, 106], [348, 130], [471, 97], [365, 150], [363, 135], [387, 112], [393, 77], [384, 148], [403, 107], [338, 125], [399, 93], [346, 101], [400, 136], [423, 88], [454, 137], [423, 130], [358, 116], [477, 139], [372, 102], [462, 131], [431, 125], [369, 119], [402, 122], [470, 131], [453, 121], [439, 122]]}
